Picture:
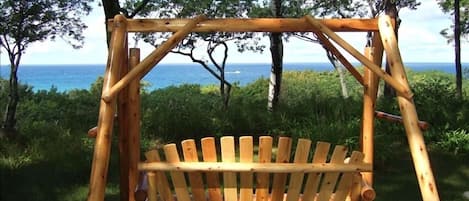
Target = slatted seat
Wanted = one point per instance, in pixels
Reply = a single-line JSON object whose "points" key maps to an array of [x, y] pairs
{"points": [[222, 171]]}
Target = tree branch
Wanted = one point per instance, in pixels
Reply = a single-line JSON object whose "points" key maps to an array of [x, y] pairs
{"points": [[139, 8]]}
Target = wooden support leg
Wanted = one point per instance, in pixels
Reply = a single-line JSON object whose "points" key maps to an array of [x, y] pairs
{"points": [[134, 115], [123, 119], [371, 80], [417, 146], [102, 149]]}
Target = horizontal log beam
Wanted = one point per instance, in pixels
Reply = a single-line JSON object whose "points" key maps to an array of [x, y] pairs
{"points": [[254, 167], [394, 118], [93, 132], [249, 25]]}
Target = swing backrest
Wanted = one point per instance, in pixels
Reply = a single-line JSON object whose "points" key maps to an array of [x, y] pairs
{"points": [[222, 171]]}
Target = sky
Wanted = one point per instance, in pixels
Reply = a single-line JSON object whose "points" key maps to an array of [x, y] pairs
{"points": [[419, 41]]}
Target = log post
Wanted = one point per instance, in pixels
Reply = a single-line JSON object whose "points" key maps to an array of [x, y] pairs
{"points": [[417, 146], [134, 114], [123, 128], [102, 149], [375, 54]]}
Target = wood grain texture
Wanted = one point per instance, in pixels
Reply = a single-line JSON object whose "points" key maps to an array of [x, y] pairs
{"points": [[209, 154], [189, 151], [423, 170], [280, 179], [178, 178], [312, 183], [246, 155], [250, 25], [230, 190], [262, 179]]}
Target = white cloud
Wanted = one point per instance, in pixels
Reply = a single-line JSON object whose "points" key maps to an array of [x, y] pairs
{"points": [[419, 41]]}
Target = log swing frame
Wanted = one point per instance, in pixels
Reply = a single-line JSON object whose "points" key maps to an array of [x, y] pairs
{"points": [[124, 70]]}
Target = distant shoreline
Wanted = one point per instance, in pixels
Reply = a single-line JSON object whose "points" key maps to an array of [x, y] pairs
{"points": [[81, 76]]}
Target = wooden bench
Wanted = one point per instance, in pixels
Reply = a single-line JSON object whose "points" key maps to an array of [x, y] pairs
{"points": [[222, 171]]}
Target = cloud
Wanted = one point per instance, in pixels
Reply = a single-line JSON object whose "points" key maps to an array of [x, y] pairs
{"points": [[419, 41]]}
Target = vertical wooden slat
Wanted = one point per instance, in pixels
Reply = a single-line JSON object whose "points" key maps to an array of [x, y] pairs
{"points": [[179, 181], [262, 179], [312, 183], [189, 150], [410, 119], [159, 179], [152, 186], [209, 154], [355, 191], [296, 179], [134, 124], [246, 156], [229, 178], [280, 180], [345, 183], [330, 179], [123, 119], [102, 148]]}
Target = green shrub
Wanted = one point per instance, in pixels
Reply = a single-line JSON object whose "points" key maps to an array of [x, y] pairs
{"points": [[178, 112], [454, 141]]}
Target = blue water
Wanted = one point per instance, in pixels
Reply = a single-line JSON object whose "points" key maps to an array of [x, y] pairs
{"points": [[67, 77]]}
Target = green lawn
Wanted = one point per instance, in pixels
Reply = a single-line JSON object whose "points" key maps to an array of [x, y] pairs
{"points": [[60, 181], [397, 181]]}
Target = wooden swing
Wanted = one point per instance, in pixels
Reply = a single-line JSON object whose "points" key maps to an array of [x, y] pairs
{"points": [[248, 176]]}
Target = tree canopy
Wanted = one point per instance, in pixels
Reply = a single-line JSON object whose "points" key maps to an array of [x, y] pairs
{"points": [[447, 6], [24, 22]]}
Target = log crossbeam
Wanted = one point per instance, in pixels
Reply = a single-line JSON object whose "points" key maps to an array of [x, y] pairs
{"points": [[253, 167], [395, 118], [249, 25]]}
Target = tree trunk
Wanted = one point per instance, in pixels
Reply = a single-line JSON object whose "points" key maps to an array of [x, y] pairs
{"points": [[13, 98], [343, 84], [338, 67], [457, 49], [391, 10], [276, 50], [111, 9]]}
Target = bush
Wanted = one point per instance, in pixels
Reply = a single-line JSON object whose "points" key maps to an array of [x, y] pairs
{"points": [[177, 113], [454, 141]]}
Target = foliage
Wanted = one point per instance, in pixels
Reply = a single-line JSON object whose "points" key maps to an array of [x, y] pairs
{"points": [[26, 22], [447, 6], [176, 113], [455, 141], [51, 158]]}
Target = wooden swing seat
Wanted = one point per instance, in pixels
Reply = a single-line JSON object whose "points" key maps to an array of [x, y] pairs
{"points": [[274, 174]]}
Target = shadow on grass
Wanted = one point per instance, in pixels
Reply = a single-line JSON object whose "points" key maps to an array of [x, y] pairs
{"points": [[67, 179], [52, 180], [397, 181]]}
